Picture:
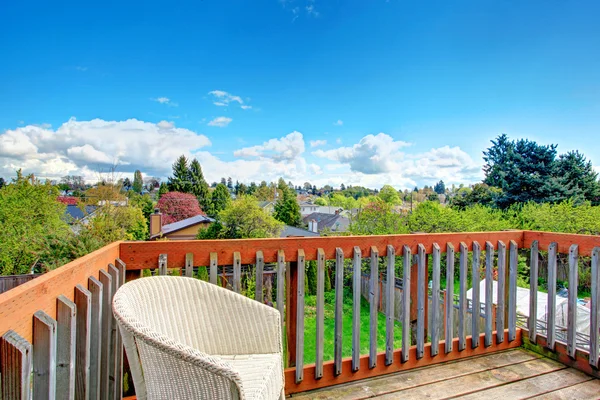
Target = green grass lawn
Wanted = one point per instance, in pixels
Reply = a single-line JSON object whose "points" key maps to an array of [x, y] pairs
{"points": [[310, 327]]}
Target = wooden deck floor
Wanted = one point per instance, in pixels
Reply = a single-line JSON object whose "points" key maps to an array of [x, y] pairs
{"points": [[512, 374]]}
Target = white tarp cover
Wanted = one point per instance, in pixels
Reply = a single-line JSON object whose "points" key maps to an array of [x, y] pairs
{"points": [[583, 313]]}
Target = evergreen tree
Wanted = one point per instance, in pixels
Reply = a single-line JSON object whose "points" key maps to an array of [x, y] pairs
{"points": [[252, 188], [440, 187], [198, 185], [242, 190], [287, 209], [162, 189], [578, 178], [126, 183], [229, 183], [138, 181], [179, 182], [220, 199], [224, 181], [342, 187]]}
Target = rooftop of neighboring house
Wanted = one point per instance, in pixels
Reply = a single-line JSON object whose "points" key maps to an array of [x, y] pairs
{"points": [[74, 213], [185, 223], [335, 222], [263, 204], [292, 231]]}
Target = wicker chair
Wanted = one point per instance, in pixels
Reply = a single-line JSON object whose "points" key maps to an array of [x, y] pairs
{"points": [[188, 339]]}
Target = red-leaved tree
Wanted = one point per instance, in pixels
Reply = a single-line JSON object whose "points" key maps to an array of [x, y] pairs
{"points": [[177, 206], [70, 201]]}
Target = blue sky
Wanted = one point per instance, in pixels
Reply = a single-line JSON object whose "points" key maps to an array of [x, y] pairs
{"points": [[360, 92]]}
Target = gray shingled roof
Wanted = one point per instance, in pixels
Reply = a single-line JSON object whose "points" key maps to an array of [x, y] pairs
{"points": [[297, 232], [335, 222], [175, 226]]}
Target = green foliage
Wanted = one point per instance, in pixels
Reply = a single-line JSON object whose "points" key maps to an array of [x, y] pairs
{"points": [[480, 193], [220, 200], [202, 274], [179, 181], [390, 195], [526, 171], [440, 187], [310, 280], [287, 209], [31, 221], [378, 218], [138, 182], [564, 217], [242, 218], [163, 188], [110, 224], [199, 186], [320, 201]]}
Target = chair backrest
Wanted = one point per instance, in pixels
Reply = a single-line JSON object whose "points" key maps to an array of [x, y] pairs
{"points": [[167, 327]]}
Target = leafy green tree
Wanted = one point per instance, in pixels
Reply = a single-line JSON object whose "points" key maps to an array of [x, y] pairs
{"points": [[138, 181], [199, 186], [241, 190], [287, 209], [163, 189], [378, 218], [390, 195], [243, 218], [440, 187], [179, 182], [30, 217], [111, 223], [145, 204], [252, 188], [320, 201], [480, 193], [220, 199]]}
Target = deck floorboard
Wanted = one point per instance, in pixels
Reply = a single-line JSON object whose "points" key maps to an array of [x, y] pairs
{"points": [[511, 374]]}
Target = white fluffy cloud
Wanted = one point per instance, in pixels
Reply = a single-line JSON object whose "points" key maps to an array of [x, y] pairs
{"points": [[221, 122], [83, 147], [317, 143], [339, 122], [287, 148], [165, 100]]}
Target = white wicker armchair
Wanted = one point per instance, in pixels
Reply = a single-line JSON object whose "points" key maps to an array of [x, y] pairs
{"points": [[188, 339]]}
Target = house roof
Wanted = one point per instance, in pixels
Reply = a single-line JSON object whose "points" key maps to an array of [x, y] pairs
{"points": [[73, 212], [263, 204], [335, 222], [175, 226], [292, 231]]}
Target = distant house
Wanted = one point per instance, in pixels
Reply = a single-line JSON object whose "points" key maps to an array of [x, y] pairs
{"points": [[76, 216], [268, 206], [308, 208], [317, 222], [186, 229], [292, 231], [329, 210]]}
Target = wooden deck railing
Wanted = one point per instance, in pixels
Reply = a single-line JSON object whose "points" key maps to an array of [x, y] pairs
{"points": [[60, 325]]}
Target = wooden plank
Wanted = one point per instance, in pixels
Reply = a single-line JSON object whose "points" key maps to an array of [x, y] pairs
{"points": [[214, 262], [533, 289], [162, 264], [418, 377], [435, 300], [320, 323], [587, 390], [390, 300], [339, 304], [356, 298], [44, 356], [489, 292], [291, 308], [539, 384], [501, 289], [120, 350], [572, 306], [476, 303], [281, 285], [18, 305], [260, 267], [143, 255], [66, 314], [551, 321], [329, 379], [189, 265], [15, 366], [373, 306], [96, 289], [462, 298], [106, 331], [421, 286], [406, 303], [115, 337], [237, 272], [300, 317], [586, 243], [512, 290], [595, 309], [449, 298], [83, 300]]}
